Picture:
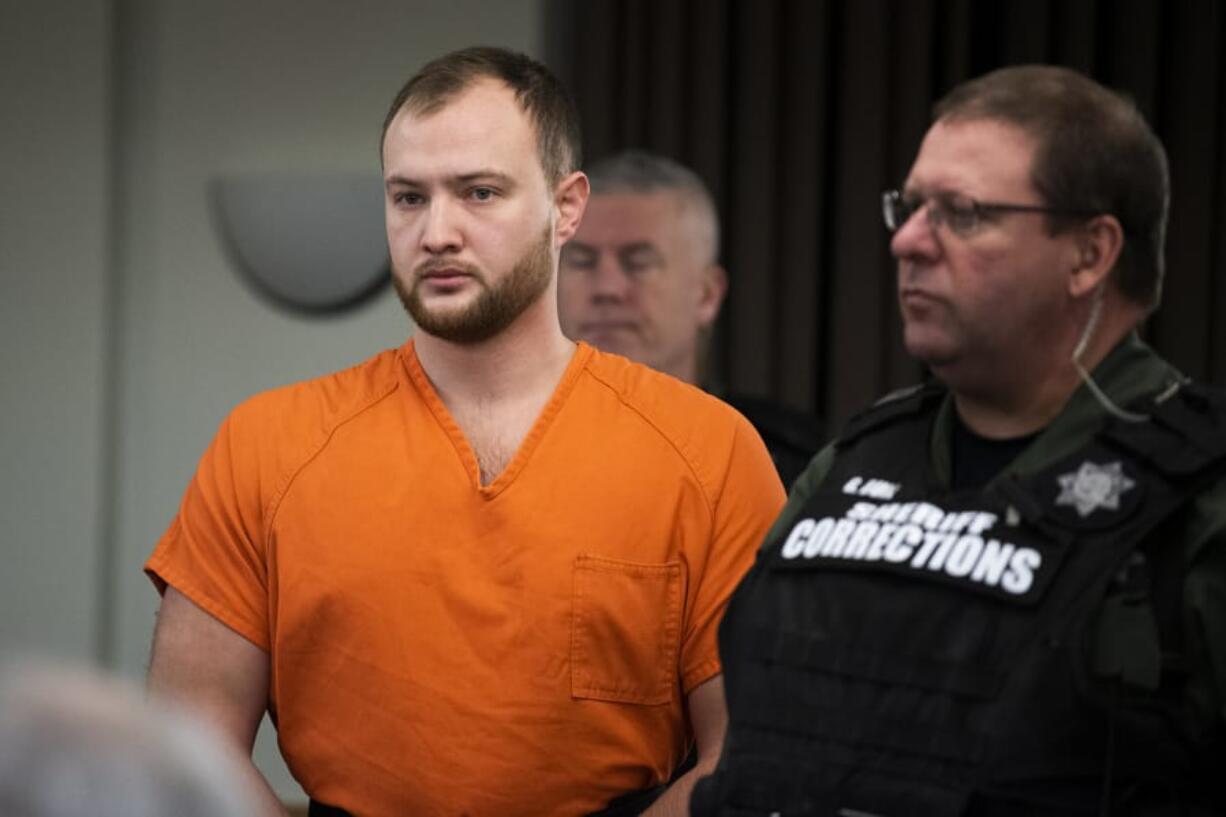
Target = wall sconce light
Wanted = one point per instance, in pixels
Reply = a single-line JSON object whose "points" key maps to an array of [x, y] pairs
{"points": [[312, 243]]}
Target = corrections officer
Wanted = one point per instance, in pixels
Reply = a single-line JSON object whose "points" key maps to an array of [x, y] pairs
{"points": [[1005, 593]]}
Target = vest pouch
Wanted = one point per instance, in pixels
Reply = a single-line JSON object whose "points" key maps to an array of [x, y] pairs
{"points": [[759, 786], [866, 793], [753, 786]]}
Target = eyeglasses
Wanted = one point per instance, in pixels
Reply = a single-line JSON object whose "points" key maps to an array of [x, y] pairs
{"points": [[962, 215]]}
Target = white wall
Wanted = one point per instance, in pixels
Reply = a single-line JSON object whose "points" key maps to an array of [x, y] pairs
{"points": [[223, 87], [54, 71]]}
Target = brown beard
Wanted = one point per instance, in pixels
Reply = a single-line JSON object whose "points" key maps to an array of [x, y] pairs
{"points": [[495, 308]]}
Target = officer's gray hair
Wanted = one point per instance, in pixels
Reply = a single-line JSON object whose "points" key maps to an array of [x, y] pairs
{"points": [[76, 745], [637, 171]]}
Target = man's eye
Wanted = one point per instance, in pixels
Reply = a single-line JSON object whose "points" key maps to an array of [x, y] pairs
{"points": [[482, 193], [907, 207], [960, 217], [406, 198], [638, 262], [578, 260]]}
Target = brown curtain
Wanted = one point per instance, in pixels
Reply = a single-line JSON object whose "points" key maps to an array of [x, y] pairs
{"points": [[799, 113]]}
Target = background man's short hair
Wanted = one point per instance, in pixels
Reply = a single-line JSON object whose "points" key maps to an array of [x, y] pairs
{"points": [[1094, 152], [539, 93], [637, 171]]}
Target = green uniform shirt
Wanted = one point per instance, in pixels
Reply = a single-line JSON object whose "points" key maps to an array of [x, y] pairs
{"points": [[1131, 371]]}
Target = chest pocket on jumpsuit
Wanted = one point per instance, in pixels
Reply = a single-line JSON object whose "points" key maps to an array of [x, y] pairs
{"points": [[626, 630]]}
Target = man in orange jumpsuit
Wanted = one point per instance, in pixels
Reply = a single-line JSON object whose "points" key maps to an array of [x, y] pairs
{"points": [[480, 573]]}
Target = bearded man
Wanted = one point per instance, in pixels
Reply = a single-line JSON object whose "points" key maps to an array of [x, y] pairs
{"points": [[481, 573]]}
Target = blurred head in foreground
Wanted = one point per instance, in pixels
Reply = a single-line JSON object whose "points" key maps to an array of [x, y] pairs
{"points": [[73, 744]]}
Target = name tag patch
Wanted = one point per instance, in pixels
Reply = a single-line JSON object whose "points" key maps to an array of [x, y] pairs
{"points": [[969, 548]]}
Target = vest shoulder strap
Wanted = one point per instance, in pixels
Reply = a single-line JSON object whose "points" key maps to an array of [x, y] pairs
{"points": [[1185, 435], [896, 406]]}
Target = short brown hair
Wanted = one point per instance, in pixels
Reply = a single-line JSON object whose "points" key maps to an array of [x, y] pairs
{"points": [[1095, 153], [538, 92]]}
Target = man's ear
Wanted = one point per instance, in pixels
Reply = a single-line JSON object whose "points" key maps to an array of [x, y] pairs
{"points": [[713, 288], [570, 199], [1099, 243]]}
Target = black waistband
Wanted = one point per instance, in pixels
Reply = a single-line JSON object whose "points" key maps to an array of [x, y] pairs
{"points": [[624, 806]]}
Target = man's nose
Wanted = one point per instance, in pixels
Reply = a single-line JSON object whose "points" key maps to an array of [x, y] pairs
{"points": [[915, 238], [611, 282], [440, 232]]}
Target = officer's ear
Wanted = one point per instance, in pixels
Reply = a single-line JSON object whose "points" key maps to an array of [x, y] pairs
{"points": [[712, 288], [1098, 245]]}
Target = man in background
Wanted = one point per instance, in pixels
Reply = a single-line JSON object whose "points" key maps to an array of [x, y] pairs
{"points": [[641, 278]]}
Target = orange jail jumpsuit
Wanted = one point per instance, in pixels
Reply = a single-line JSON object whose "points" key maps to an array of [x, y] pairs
{"points": [[439, 647]]}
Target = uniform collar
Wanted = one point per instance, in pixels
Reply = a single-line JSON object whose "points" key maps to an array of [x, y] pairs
{"points": [[1130, 371]]}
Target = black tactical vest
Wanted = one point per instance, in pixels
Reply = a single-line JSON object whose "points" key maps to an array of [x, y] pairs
{"points": [[906, 651]]}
